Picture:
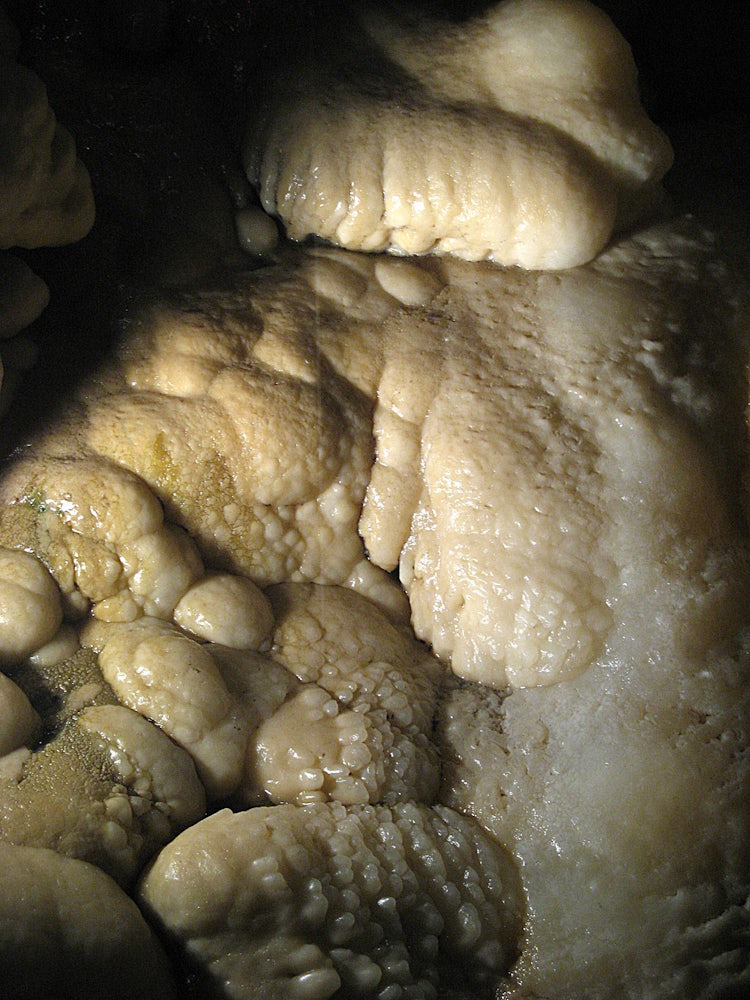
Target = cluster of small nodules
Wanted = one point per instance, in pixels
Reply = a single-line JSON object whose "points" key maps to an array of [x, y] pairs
{"points": [[372, 901], [311, 751], [154, 770], [112, 554], [381, 682]]}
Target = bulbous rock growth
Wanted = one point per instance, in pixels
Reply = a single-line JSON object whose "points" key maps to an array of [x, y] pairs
{"points": [[310, 712], [211, 690], [516, 136], [45, 200], [309, 901]]}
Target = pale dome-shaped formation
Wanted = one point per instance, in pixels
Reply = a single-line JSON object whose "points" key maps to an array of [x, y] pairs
{"points": [[521, 770], [305, 902], [229, 610], [30, 605], [517, 136]]}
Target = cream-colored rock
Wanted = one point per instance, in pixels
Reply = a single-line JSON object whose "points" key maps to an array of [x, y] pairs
{"points": [[508, 433], [63, 644], [375, 695], [160, 567], [495, 408], [225, 609], [283, 901], [623, 794], [517, 136], [257, 733], [108, 788], [172, 680], [68, 932], [30, 608], [339, 708], [245, 433], [19, 722], [45, 200], [260, 684], [302, 746], [505, 446], [148, 763], [45, 190], [285, 432], [310, 750], [102, 533]]}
